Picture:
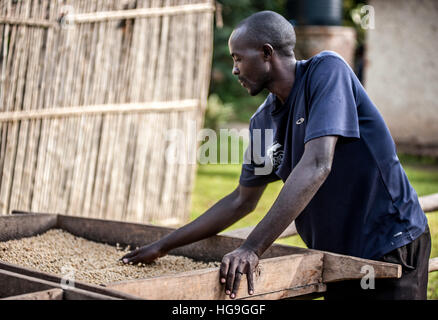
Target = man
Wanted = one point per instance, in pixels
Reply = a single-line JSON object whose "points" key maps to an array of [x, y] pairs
{"points": [[343, 184]]}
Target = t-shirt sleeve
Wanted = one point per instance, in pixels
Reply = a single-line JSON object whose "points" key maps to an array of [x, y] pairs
{"points": [[332, 102], [254, 170]]}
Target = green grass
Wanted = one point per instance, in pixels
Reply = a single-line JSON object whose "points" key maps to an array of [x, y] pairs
{"points": [[423, 175], [424, 179], [213, 182]]}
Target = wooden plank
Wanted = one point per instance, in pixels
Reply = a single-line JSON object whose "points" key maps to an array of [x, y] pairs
{"points": [[293, 293], [56, 279], [19, 226], [338, 267], [14, 284], [429, 203], [433, 264], [243, 233], [273, 275], [312, 295], [79, 294], [52, 294]]}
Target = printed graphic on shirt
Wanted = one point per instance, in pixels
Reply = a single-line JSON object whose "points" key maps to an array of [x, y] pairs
{"points": [[300, 121], [275, 154]]}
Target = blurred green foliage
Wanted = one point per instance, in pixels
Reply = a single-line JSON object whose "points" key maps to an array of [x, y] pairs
{"points": [[223, 83], [217, 112], [352, 16]]}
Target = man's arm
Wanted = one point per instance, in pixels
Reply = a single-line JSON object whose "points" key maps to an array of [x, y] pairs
{"points": [[224, 213], [300, 187]]}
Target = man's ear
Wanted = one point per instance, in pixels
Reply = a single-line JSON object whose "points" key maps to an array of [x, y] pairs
{"points": [[268, 51]]}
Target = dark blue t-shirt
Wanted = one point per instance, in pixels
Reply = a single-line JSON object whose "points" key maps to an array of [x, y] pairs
{"points": [[366, 207]]}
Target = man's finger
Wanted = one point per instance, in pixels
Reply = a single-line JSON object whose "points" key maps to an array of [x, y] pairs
{"points": [[237, 278], [223, 271], [134, 259], [250, 280], [128, 260], [230, 277], [130, 254]]}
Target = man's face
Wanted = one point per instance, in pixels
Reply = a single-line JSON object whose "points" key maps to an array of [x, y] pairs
{"points": [[249, 64]]}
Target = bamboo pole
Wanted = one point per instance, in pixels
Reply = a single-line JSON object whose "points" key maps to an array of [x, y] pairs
{"points": [[179, 59], [50, 154], [103, 62], [107, 134], [170, 167], [42, 95], [62, 154], [4, 28], [54, 152], [88, 138], [30, 103], [69, 126], [140, 13], [114, 205], [150, 181], [103, 138], [433, 264], [140, 53], [204, 38], [28, 22], [6, 75], [17, 39], [53, 167], [429, 203], [4, 44], [110, 15], [190, 171], [19, 101], [115, 172], [123, 108], [156, 164]]}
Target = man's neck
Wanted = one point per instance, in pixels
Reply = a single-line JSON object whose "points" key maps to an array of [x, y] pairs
{"points": [[283, 80]]}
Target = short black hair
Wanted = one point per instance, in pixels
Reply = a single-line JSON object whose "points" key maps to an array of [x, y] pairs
{"points": [[270, 27]]}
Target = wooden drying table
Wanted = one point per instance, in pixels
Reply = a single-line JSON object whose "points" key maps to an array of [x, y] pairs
{"points": [[284, 271]]}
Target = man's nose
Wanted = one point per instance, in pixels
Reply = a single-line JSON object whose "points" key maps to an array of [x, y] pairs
{"points": [[235, 70]]}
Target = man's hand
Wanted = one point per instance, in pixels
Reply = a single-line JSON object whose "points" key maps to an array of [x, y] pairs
{"points": [[234, 265], [145, 254]]}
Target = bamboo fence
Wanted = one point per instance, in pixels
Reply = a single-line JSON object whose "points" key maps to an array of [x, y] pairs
{"points": [[88, 90]]}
